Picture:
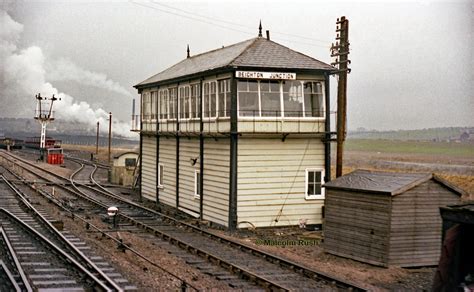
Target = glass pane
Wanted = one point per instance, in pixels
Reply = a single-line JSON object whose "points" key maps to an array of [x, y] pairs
{"points": [[270, 99], [248, 104], [222, 98], [313, 99], [253, 86], [213, 100], [175, 101], [275, 86], [242, 86], [310, 189], [318, 177], [186, 102], [227, 104], [317, 189], [181, 103], [154, 103], [161, 175], [205, 110], [311, 176], [292, 99]]}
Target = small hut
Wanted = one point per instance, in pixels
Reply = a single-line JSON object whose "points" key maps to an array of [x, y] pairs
{"points": [[386, 218], [123, 168]]}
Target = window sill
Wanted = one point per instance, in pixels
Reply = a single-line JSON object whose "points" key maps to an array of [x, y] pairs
{"points": [[314, 198]]}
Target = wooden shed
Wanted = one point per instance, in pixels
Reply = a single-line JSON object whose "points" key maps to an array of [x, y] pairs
{"points": [[386, 218], [123, 168]]}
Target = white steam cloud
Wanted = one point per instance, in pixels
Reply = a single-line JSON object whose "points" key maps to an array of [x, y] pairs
{"points": [[65, 70], [24, 74]]}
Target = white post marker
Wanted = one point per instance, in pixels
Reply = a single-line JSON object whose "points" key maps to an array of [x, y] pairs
{"points": [[113, 212]]}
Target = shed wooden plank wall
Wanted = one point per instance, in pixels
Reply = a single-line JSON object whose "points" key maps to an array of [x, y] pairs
{"points": [[271, 173], [149, 168], [357, 225], [168, 159], [188, 148], [415, 235], [216, 180]]}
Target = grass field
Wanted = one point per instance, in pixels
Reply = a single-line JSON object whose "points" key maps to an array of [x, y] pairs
{"points": [[411, 147], [452, 161]]}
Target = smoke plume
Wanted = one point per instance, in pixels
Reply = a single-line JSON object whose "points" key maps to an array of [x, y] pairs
{"points": [[65, 70], [24, 74]]}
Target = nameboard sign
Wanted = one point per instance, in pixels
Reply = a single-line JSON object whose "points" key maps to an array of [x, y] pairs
{"points": [[265, 75]]}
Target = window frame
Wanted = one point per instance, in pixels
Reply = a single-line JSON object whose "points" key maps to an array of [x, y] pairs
{"points": [[323, 190], [197, 181], [282, 116], [146, 106], [160, 177], [129, 159], [207, 112]]}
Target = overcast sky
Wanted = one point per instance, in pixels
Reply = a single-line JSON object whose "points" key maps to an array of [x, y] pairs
{"points": [[412, 62]]}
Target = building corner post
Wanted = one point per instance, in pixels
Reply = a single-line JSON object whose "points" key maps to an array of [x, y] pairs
{"points": [[327, 130], [233, 156], [201, 154]]}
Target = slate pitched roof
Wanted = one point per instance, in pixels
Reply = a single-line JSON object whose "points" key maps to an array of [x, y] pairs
{"points": [[256, 52], [392, 183]]}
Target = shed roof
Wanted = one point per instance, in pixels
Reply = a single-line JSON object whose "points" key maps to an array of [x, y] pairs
{"points": [[120, 154], [391, 183], [256, 52]]}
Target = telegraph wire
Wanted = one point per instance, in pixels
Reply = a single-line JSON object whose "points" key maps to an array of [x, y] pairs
{"points": [[207, 20], [235, 23], [189, 17]]}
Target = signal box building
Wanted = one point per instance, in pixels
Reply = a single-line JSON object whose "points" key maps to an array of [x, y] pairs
{"points": [[238, 136]]}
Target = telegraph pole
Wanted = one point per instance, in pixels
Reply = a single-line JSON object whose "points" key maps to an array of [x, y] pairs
{"points": [[110, 133], [97, 140], [341, 51]]}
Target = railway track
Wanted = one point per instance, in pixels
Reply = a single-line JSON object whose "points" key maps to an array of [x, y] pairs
{"points": [[39, 256], [248, 264]]}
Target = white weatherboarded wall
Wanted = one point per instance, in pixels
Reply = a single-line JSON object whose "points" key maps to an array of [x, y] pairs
{"points": [[188, 148], [271, 175], [168, 160], [149, 168], [216, 180]]}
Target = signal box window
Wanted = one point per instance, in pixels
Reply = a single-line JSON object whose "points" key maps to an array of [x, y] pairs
{"points": [[130, 162], [161, 171], [314, 184], [197, 184]]}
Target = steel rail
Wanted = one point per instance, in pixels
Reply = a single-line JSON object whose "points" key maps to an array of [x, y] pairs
{"points": [[218, 260], [50, 245], [16, 262], [9, 278], [296, 267], [57, 203], [63, 239]]}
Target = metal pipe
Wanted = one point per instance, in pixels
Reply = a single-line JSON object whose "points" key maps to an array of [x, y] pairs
{"points": [[327, 129], [201, 154], [232, 221]]}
